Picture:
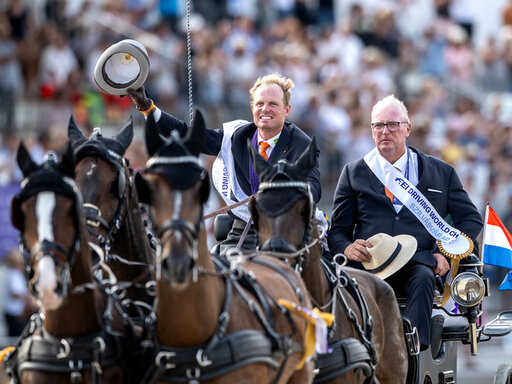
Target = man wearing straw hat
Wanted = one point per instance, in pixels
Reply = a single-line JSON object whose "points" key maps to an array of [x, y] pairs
{"points": [[398, 190], [232, 173]]}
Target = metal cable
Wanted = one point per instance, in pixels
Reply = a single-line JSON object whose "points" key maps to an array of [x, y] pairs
{"points": [[189, 67]]}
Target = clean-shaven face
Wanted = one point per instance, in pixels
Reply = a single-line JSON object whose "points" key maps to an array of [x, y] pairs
{"points": [[391, 145], [268, 109]]}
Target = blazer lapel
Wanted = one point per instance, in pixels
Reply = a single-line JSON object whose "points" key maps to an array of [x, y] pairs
{"points": [[423, 171], [378, 187], [241, 155]]}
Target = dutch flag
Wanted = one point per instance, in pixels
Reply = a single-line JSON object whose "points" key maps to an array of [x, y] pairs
{"points": [[497, 249]]}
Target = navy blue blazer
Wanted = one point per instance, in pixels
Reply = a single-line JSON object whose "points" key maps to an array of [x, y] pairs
{"points": [[361, 208], [291, 144]]}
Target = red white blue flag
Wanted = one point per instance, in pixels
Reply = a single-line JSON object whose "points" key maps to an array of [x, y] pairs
{"points": [[497, 245]]}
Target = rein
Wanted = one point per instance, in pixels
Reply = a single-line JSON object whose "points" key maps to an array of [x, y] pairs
{"points": [[226, 208]]}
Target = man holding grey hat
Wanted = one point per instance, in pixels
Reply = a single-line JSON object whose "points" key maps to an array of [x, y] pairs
{"points": [[233, 174], [396, 190]]}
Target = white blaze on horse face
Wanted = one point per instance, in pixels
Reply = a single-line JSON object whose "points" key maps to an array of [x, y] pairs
{"points": [[178, 202], [91, 171], [47, 283], [45, 204], [47, 277]]}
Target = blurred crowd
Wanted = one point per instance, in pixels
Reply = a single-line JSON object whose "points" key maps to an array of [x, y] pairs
{"points": [[342, 56]]}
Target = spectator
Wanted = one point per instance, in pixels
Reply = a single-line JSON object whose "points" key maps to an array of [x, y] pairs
{"points": [[431, 53], [11, 80], [58, 68], [18, 303], [458, 55], [9, 171]]}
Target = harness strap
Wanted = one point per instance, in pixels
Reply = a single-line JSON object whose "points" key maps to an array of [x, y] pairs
{"points": [[224, 318], [244, 234], [347, 355], [47, 353], [232, 352], [365, 330], [296, 289]]}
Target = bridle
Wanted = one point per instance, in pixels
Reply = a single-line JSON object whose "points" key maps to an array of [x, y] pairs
{"points": [[62, 257], [93, 214], [172, 226], [279, 244]]}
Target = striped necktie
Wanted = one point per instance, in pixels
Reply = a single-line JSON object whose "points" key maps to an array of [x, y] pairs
{"points": [[388, 192]]}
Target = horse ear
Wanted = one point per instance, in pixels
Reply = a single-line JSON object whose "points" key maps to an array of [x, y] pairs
{"points": [[260, 165], [25, 162], [67, 164], [196, 136], [74, 133], [307, 161], [125, 137], [143, 189], [153, 139]]}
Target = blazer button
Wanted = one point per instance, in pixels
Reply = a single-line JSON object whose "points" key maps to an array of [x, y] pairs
{"points": [[397, 218]]}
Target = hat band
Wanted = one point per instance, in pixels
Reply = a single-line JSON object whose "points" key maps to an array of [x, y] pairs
{"points": [[388, 261]]}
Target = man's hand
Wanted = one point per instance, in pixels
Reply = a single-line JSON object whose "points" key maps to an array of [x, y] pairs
{"points": [[140, 98], [442, 266], [357, 250]]}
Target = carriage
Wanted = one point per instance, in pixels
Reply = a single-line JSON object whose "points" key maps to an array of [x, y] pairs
{"points": [[469, 288]]}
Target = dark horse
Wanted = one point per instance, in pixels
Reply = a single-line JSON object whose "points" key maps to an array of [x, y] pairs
{"points": [[283, 213], [216, 322], [112, 210], [73, 339]]}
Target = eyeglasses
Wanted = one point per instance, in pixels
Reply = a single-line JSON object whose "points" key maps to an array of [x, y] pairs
{"points": [[392, 126]]}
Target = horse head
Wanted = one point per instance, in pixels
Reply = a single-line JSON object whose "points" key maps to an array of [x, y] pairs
{"points": [[102, 175], [283, 207], [176, 186], [47, 212]]}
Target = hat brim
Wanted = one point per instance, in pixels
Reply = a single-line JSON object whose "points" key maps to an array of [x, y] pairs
{"points": [[409, 246], [132, 48]]}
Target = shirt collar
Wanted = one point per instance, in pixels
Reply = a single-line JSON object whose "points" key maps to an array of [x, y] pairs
{"points": [[272, 141], [401, 163]]}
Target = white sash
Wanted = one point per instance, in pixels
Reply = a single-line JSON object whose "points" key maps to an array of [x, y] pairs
{"points": [[223, 172], [411, 197]]}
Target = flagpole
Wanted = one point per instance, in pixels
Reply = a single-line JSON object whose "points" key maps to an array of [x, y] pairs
{"points": [[483, 237]]}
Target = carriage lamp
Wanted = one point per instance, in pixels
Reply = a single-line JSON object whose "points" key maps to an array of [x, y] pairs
{"points": [[467, 289]]}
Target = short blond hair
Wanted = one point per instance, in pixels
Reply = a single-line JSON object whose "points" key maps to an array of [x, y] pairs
{"points": [[388, 100], [285, 83]]}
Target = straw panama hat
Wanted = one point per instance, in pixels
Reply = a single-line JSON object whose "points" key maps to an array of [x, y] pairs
{"points": [[389, 253]]}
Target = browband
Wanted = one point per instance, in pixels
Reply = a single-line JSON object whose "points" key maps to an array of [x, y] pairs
{"points": [[284, 184], [172, 160]]}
